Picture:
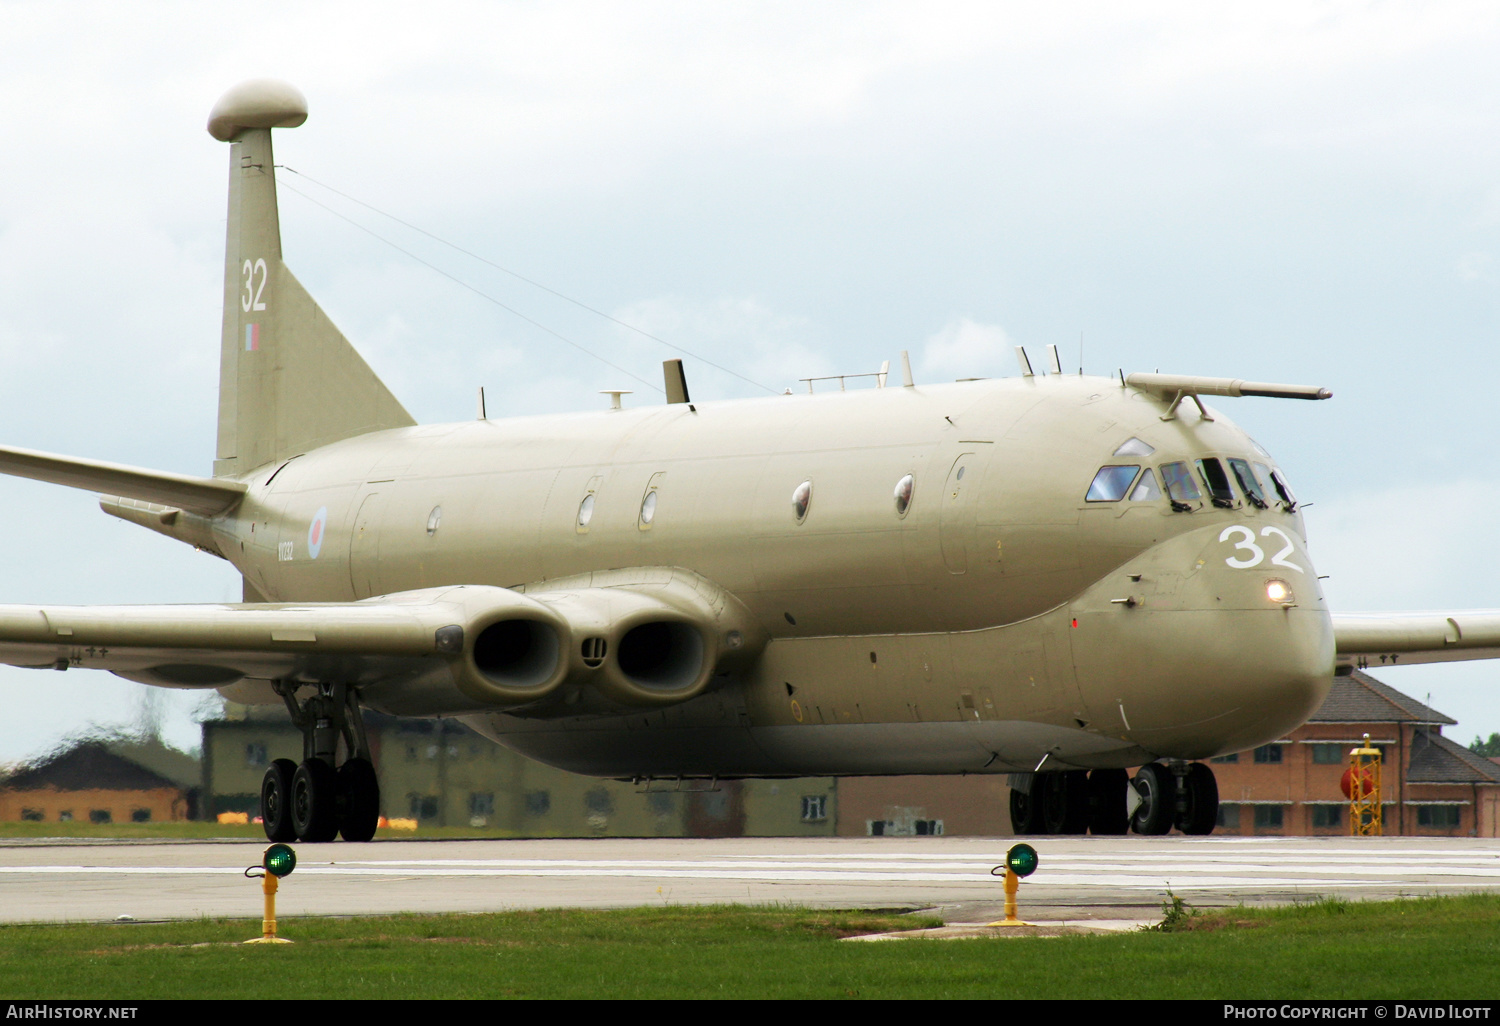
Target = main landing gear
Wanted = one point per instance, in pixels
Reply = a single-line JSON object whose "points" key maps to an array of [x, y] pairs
{"points": [[313, 801], [1180, 794]]}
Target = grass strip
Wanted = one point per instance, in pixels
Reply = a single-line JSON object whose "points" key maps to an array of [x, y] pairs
{"points": [[1409, 949]]}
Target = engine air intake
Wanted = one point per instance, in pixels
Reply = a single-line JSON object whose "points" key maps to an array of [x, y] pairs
{"points": [[664, 655], [517, 653]]}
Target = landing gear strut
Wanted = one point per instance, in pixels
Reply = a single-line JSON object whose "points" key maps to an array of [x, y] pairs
{"points": [[313, 801]]}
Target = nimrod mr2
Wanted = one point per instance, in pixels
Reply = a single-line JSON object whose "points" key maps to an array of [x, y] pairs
{"points": [[1052, 576]]}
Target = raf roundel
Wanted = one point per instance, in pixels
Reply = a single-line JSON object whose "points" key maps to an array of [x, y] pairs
{"points": [[315, 533]]}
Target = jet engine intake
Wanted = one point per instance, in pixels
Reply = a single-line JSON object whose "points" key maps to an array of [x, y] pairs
{"points": [[649, 637]]}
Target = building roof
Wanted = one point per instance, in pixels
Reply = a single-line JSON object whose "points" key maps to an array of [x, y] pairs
{"points": [[1437, 760], [87, 766], [1360, 698]]}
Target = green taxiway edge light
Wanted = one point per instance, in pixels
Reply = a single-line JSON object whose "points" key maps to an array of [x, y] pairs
{"points": [[280, 859], [1021, 859]]}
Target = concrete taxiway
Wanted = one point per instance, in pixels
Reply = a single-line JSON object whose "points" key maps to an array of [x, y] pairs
{"points": [[1106, 879]]}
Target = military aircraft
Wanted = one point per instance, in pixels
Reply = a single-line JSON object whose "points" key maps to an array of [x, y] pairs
{"points": [[1052, 576]]}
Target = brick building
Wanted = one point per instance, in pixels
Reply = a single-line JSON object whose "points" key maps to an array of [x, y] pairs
{"points": [[1431, 786], [91, 782]]}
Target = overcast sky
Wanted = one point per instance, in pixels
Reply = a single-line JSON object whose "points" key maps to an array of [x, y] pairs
{"points": [[1305, 192]]}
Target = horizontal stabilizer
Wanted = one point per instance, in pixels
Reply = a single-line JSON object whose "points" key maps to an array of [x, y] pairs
{"points": [[202, 495], [1364, 639]]}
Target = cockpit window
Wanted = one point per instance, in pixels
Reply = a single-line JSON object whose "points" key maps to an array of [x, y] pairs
{"points": [[1249, 483], [1219, 492], [1111, 484], [1134, 447], [1145, 489], [1284, 490], [1181, 488]]}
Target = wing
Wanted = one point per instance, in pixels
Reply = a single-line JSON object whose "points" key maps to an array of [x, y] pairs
{"points": [[641, 637], [413, 653], [1363, 639]]}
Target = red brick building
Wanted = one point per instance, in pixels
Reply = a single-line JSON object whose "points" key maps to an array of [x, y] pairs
{"points": [[1431, 786]]}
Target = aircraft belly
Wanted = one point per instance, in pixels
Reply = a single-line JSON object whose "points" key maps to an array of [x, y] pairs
{"points": [[609, 749]]}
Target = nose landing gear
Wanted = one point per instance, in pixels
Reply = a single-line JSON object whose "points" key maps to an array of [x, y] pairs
{"points": [[313, 801], [1106, 801], [1180, 794]]}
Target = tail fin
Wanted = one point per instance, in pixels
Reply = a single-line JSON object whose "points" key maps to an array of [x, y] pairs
{"points": [[288, 379]]}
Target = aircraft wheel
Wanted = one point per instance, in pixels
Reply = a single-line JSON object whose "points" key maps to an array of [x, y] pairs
{"points": [[1107, 813], [1024, 817], [1201, 810], [359, 800], [276, 801], [1154, 783], [314, 801]]}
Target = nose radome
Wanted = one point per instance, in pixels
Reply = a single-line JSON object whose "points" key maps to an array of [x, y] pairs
{"points": [[1189, 655]]}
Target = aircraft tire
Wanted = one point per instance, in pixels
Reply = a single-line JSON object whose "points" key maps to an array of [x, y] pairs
{"points": [[315, 801], [276, 801], [1201, 811], [1154, 783], [1024, 818], [1107, 815], [359, 800]]}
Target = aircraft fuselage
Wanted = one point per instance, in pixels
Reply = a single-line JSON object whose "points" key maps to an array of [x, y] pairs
{"points": [[999, 617]]}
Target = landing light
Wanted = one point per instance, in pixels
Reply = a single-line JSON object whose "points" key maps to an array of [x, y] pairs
{"points": [[1279, 591]]}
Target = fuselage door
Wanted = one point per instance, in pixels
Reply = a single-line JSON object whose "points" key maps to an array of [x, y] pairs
{"points": [[364, 547], [956, 521]]}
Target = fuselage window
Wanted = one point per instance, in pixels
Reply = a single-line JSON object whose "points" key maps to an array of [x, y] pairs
{"points": [[1134, 447], [433, 520], [1249, 483], [586, 510], [648, 507], [1145, 489], [904, 489], [1181, 488], [1219, 492], [802, 500], [1111, 484]]}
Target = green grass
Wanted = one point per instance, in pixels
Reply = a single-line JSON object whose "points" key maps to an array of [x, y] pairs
{"points": [[1410, 949]]}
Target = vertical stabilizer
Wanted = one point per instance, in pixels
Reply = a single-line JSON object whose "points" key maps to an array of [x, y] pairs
{"points": [[288, 379]]}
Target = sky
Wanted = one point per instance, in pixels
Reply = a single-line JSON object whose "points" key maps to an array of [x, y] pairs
{"points": [[1286, 191]]}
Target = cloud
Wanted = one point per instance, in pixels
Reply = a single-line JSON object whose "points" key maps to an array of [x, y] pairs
{"points": [[967, 349]]}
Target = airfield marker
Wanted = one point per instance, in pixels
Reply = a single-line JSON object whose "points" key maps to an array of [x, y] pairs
{"points": [[1021, 860], [277, 862]]}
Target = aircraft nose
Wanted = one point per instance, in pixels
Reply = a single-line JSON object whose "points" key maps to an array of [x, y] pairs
{"points": [[1214, 641]]}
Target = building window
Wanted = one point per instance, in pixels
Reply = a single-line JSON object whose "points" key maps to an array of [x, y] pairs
{"points": [[424, 806], [32, 815], [877, 827], [1269, 817], [1268, 754], [538, 803], [1329, 755], [100, 816], [140, 815], [814, 808], [892, 828], [1222, 759], [1327, 815], [1438, 817], [65, 816], [255, 753], [481, 803], [1229, 816], [598, 802], [927, 827]]}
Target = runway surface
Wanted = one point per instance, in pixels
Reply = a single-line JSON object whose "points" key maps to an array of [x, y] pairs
{"points": [[1080, 878]]}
